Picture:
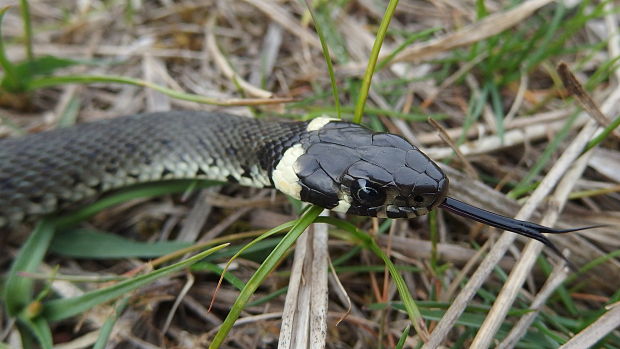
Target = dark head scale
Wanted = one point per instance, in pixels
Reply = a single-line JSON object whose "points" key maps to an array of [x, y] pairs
{"points": [[349, 168]]}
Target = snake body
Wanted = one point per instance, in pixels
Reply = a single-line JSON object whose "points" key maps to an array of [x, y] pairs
{"points": [[334, 164]]}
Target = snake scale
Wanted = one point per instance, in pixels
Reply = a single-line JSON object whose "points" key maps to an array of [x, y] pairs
{"points": [[334, 164]]}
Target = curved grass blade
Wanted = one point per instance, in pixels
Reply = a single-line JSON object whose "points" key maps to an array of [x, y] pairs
{"points": [[89, 79], [603, 135], [64, 308], [224, 272], [415, 316], [403, 338], [93, 244], [140, 191], [262, 272], [18, 290], [40, 328], [108, 325]]}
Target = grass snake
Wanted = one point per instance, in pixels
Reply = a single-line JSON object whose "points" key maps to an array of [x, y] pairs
{"points": [[334, 164]]}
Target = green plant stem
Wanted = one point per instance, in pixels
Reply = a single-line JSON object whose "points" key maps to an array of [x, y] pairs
{"points": [[372, 61]]}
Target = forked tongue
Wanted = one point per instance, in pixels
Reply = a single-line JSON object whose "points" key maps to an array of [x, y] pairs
{"points": [[529, 229]]}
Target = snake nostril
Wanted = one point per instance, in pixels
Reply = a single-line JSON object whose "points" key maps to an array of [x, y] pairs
{"points": [[418, 199]]}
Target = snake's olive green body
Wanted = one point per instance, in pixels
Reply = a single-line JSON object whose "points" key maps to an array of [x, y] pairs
{"points": [[51, 171]]}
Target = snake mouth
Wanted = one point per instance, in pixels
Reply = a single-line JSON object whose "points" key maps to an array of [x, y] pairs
{"points": [[393, 211]]}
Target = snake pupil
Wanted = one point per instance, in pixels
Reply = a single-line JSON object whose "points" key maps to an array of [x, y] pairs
{"points": [[368, 195], [418, 198]]}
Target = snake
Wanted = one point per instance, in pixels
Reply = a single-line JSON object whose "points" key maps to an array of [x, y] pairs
{"points": [[338, 165]]}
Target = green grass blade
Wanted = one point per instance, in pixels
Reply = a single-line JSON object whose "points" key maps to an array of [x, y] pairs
{"points": [[108, 325], [64, 308], [89, 79], [403, 338], [328, 59], [139, 191], [253, 243], [372, 61], [91, 244], [496, 103], [25, 13], [232, 279], [257, 252], [434, 235], [271, 232], [603, 135], [40, 329], [368, 242], [42, 66], [18, 289], [415, 316], [475, 108], [262, 272], [10, 81], [410, 40], [526, 183], [546, 43], [269, 297]]}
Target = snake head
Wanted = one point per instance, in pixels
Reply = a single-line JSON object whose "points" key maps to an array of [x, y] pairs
{"points": [[348, 168], [392, 179], [393, 182]]}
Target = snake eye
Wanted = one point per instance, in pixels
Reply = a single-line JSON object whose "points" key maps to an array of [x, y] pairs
{"points": [[366, 194]]}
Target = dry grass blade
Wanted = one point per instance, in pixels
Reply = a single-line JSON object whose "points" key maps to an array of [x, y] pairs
{"points": [[558, 275], [574, 88], [551, 119], [521, 271], [526, 262], [489, 26], [304, 318], [446, 138], [505, 241], [227, 70], [280, 15], [491, 143], [524, 266], [610, 321], [155, 72]]}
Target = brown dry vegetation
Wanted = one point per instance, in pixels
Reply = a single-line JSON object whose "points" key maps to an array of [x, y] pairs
{"points": [[263, 49]]}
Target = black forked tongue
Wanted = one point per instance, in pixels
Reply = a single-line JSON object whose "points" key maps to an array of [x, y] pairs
{"points": [[529, 229]]}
